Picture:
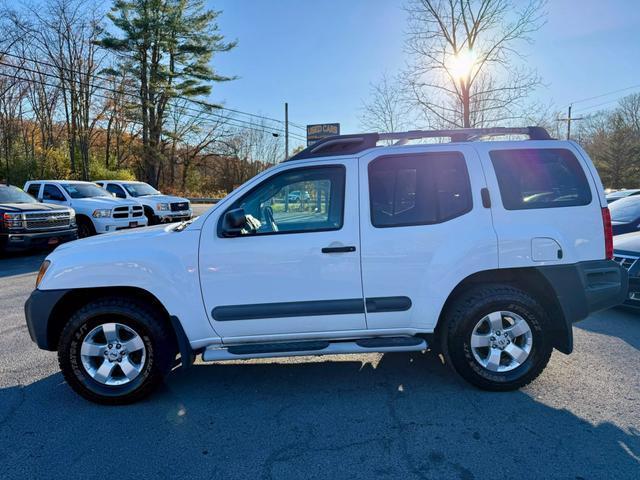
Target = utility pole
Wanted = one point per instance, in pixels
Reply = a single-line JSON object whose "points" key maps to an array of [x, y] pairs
{"points": [[569, 119], [286, 130]]}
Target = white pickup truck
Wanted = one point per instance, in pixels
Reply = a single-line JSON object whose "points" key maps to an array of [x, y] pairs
{"points": [[158, 208], [485, 251], [97, 211]]}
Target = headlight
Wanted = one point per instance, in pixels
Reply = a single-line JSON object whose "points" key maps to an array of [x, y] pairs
{"points": [[42, 271], [162, 207], [72, 217], [12, 220], [101, 213]]}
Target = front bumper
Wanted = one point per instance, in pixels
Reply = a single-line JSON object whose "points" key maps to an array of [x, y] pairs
{"points": [[26, 241], [169, 217], [109, 224], [38, 310]]}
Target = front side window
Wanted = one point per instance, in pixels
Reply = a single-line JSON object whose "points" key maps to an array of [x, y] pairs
{"points": [[300, 200], [140, 189], [116, 190], [419, 189], [51, 192], [84, 190], [540, 178]]}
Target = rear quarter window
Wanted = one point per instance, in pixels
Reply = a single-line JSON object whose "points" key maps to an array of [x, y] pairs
{"points": [[540, 178]]}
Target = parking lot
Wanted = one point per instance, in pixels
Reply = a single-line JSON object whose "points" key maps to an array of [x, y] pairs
{"points": [[369, 416]]}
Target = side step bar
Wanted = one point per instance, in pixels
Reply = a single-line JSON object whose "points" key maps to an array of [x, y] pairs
{"points": [[296, 349]]}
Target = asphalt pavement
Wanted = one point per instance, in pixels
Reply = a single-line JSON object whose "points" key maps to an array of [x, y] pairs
{"points": [[369, 416]]}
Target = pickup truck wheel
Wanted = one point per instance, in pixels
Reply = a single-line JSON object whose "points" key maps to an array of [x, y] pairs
{"points": [[85, 228], [115, 351], [495, 337]]}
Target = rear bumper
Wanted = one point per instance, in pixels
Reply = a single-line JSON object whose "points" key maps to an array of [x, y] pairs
{"points": [[25, 241], [583, 288]]}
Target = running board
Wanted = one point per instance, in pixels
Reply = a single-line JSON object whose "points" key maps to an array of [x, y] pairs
{"points": [[323, 347]]}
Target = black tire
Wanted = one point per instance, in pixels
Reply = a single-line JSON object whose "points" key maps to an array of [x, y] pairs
{"points": [[155, 332], [85, 228], [151, 217], [462, 317]]}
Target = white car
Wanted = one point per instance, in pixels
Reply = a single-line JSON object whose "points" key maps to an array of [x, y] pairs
{"points": [[484, 251], [96, 209], [158, 208]]}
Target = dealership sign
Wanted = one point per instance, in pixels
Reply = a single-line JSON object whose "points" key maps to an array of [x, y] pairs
{"points": [[320, 131]]}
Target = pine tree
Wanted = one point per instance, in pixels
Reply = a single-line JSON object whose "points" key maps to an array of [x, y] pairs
{"points": [[168, 46]]}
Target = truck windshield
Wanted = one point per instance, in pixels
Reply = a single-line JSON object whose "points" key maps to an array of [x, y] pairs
{"points": [[625, 210], [15, 195], [85, 190], [140, 189]]}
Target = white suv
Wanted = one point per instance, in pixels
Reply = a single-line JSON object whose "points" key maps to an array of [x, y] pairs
{"points": [[96, 209], [485, 251], [158, 208]]}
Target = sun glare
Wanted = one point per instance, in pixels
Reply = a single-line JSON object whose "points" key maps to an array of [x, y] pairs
{"points": [[461, 64]]}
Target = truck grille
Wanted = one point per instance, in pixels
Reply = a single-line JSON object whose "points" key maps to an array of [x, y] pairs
{"points": [[625, 261], [47, 220], [179, 206], [134, 211]]}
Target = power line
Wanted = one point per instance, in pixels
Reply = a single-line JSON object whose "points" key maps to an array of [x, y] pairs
{"points": [[604, 94], [593, 107], [99, 77], [224, 121], [244, 123]]}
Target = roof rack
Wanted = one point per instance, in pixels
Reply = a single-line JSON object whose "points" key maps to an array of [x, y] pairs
{"points": [[350, 144]]}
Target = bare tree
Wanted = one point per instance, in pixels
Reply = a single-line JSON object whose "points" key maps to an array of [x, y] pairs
{"points": [[386, 109], [465, 70]]}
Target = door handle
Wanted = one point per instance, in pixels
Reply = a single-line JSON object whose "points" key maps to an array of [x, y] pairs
{"points": [[338, 249]]}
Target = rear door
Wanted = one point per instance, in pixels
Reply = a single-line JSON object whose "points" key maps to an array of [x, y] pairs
{"points": [[545, 203], [424, 229]]}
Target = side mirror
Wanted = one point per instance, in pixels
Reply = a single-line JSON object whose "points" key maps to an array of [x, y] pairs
{"points": [[233, 223]]}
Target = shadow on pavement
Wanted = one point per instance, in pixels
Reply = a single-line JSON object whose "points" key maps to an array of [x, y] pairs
{"points": [[400, 416], [619, 322], [12, 264]]}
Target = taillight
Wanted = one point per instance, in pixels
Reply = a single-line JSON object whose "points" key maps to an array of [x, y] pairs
{"points": [[608, 233]]}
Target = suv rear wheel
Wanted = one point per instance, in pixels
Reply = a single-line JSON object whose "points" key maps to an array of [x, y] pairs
{"points": [[115, 351], [495, 338]]}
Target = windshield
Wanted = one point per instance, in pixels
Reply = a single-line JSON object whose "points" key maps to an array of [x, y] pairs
{"points": [[625, 210], [84, 190], [15, 195], [622, 193], [140, 189]]}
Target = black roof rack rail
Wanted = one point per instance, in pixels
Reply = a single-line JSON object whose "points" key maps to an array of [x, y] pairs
{"points": [[350, 144]]}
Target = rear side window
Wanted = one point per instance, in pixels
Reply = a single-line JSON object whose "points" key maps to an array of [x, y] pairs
{"points": [[33, 190], [418, 189], [540, 178]]}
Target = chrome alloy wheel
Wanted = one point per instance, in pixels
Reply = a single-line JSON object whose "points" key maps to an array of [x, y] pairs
{"points": [[113, 354], [501, 341]]}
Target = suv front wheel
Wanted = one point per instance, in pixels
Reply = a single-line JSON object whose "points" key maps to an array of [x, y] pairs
{"points": [[495, 337], [116, 351]]}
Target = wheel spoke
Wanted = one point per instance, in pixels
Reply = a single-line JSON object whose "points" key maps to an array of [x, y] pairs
{"points": [[110, 332], [92, 349], [129, 369], [104, 372], [478, 340], [520, 328], [493, 361], [517, 353], [495, 319], [133, 345]]}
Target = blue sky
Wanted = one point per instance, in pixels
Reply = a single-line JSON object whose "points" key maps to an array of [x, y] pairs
{"points": [[320, 56]]}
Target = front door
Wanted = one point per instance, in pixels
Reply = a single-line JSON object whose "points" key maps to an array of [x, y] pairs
{"points": [[295, 267]]}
